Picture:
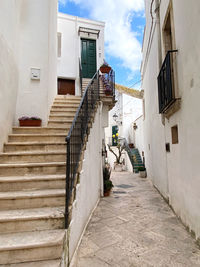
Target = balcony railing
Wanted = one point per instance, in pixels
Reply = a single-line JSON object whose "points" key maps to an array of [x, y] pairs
{"points": [[165, 83]]}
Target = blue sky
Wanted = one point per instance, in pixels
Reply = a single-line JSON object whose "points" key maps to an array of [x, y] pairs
{"points": [[125, 23]]}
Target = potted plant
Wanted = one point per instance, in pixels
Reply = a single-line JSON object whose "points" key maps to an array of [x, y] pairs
{"points": [[29, 121], [105, 68], [118, 164], [142, 171], [107, 183]]}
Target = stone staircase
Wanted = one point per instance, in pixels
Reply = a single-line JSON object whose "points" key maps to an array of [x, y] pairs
{"points": [[32, 190], [137, 160]]}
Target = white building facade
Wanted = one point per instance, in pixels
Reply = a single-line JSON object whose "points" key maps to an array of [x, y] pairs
{"points": [[80, 44], [171, 59]]}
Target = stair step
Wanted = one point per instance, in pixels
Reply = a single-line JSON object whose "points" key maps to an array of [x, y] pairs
{"points": [[31, 246], [31, 219], [33, 156], [66, 101], [40, 130], [63, 113], [61, 117], [32, 199], [34, 146], [32, 168], [48, 263], [36, 137], [71, 110], [67, 105], [39, 182], [64, 122]]}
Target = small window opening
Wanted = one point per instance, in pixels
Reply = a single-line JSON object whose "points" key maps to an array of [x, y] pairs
{"points": [[174, 131]]}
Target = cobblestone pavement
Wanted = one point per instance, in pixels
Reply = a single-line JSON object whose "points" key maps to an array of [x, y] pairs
{"points": [[135, 227]]}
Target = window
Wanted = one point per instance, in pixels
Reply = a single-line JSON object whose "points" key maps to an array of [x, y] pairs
{"points": [[169, 102], [174, 132]]}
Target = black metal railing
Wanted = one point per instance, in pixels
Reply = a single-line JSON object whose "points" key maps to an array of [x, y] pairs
{"points": [[80, 77], [111, 81], [77, 136], [166, 94]]}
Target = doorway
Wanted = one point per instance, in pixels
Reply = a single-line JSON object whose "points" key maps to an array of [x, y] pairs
{"points": [[66, 86], [88, 58]]}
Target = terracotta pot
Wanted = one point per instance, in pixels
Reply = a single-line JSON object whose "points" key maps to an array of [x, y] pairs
{"points": [[143, 174], [30, 123], [118, 167], [105, 69], [107, 193]]}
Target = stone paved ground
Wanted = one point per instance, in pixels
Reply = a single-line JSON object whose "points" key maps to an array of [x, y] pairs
{"points": [[135, 227]]}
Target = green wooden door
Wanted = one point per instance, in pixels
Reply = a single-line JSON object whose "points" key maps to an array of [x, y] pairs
{"points": [[88, 57]]}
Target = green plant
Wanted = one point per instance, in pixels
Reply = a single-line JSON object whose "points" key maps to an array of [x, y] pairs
{"points": [[106, 178], [107, 185], [141, 169]]}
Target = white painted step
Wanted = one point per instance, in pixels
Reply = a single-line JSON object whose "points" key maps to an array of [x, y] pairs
{"points": [[32, 199], [19, 169], [31, 246], [50, 263], [20, 183], [31, 219]]}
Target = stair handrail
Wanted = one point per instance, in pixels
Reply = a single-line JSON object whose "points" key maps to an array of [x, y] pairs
{"points": [[77, 134]]}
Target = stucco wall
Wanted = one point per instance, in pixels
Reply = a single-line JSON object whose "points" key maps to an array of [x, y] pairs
{"points": [[90, 187], [175, 173], [9, 18], [139, 134], [37, 49], [68, 63]]}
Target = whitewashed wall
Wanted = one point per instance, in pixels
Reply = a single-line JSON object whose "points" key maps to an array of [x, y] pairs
{"points": [[68, 63], [176, 173], [90, 188], [9, 19], [37, 49], [139, 134]]}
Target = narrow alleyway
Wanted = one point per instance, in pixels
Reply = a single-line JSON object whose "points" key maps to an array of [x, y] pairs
{"points": [[135, 227]]}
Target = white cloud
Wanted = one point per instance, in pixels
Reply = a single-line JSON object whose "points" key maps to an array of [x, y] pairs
{"points": [[62, 2], [121, 42]]}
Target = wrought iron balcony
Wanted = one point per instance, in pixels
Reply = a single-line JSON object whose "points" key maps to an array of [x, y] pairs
{"points": [[166, 94]]}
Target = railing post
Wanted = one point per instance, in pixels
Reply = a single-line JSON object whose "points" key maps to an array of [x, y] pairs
{"points": [[67, 193]]}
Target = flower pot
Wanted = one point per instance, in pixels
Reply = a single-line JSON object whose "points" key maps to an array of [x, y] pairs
{"points": [[107, 193], [30, 123], [143, 174], [118, 167], [105, 69]]}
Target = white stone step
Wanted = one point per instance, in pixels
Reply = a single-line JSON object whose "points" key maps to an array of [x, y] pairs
{"points": [[66, 101], [12, 221], [57, 122], [40, 130], [67, 97], [36, 137], [67, 105], [33, 156], [20, 169], [58, 110], [50, 263], [34, 146], [62, 117], [32, 199], [31, 246], [39, 182], [63, 113]]}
